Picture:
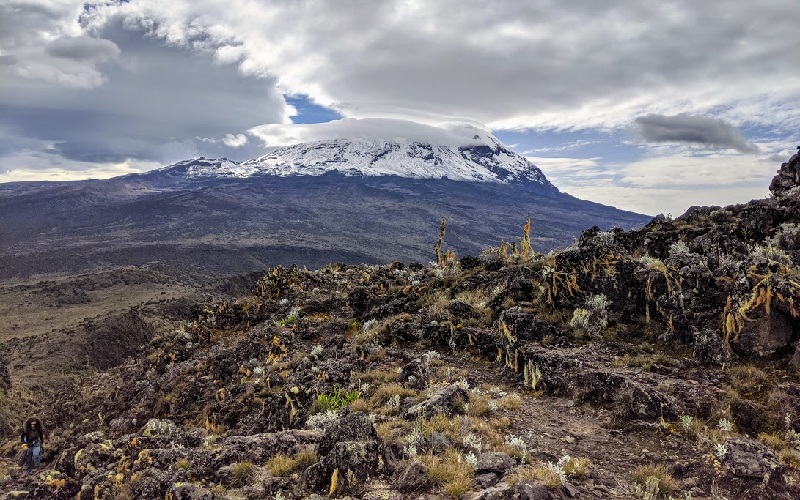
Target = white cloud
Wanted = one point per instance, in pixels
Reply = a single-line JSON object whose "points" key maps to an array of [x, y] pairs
{"points": [[373, 129], [234, 141], [538, 64], [663, 184]]}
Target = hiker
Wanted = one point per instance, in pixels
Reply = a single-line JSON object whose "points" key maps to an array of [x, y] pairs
{"points": [[32, 439]]}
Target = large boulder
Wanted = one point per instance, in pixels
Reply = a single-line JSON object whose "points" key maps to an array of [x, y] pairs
{"points": [[765, 336], [349, 456], [749, 459], [787, 178], [449, 400]]}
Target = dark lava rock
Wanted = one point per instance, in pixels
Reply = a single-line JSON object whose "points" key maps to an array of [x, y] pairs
{"points": [[765, 336], [413, 478], [787, 178], [188, 491], [416, 374], [747, 458], [708, 348], [504, 491], [349, 455], [497, 462], [449, 400], [486, 480], [526, 327]]}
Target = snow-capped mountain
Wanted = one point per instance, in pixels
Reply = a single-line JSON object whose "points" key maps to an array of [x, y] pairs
{"points": [[363, 199], [487, 161]]}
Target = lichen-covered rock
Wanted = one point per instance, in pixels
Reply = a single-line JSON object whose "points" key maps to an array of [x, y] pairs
{"points": [[750, 459], [449, 400], [708, 349], [413, 478], [349, 455], [416, 373], [787, 178], [494, 461], [188, 491]]}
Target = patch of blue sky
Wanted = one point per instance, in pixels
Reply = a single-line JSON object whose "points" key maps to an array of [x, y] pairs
{"points": [[610, 146], [310, 112]]}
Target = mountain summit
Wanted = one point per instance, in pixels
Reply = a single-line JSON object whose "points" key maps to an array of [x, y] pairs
{"points": [[486, 159]]}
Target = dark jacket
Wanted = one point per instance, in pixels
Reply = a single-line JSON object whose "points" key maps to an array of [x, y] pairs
{"points": [[34, 437]]}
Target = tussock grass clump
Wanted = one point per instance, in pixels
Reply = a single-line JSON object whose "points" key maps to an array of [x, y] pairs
{"points": [[478, 405], [283, 465], [305, 458], [510, 402], [242, 474], [449, 471], [577, 466], [790, 458], [388, 391], [645, 361], [655, 477], [538, 472], [749, 381], [773, 440], [387, 430], [378, 375]]}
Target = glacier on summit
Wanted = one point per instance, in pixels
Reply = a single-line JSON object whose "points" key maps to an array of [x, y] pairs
{"points": [[462, 153], [378, 158]]}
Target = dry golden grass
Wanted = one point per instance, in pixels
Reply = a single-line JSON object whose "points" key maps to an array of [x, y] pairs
{"points": [[478, 405], [242, 474], [666, 483], [386, 430], [281, 465], [437, 304], [577, 466], [449, 471], [773, 440], [305, 458], [361, 405], [748, 380], [510, 402], [387, 391], [538, 472], [645, 361], [448, 427], [378, 375], [790, 458]]}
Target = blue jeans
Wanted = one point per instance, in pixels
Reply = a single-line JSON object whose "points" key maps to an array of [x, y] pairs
{"points": [[32, 458]]}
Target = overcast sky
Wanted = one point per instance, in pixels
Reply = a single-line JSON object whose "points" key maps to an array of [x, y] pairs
{"points": [[651, 106]]}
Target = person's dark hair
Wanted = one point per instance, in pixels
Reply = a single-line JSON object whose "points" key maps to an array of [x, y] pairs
{"points": [[33, 425]]}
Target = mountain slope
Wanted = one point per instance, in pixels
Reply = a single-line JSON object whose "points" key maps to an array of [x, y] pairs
{"points": [[315, 203]]}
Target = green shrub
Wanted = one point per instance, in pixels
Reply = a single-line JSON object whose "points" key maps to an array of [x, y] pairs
{"points": [[337, 399]]}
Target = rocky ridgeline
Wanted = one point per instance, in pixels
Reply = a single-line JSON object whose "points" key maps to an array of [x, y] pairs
{"points": [[652, 363]]}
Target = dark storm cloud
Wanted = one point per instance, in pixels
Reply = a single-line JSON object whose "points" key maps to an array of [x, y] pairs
{"points": [[83, 48], [158, 103], [693, 129]]}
